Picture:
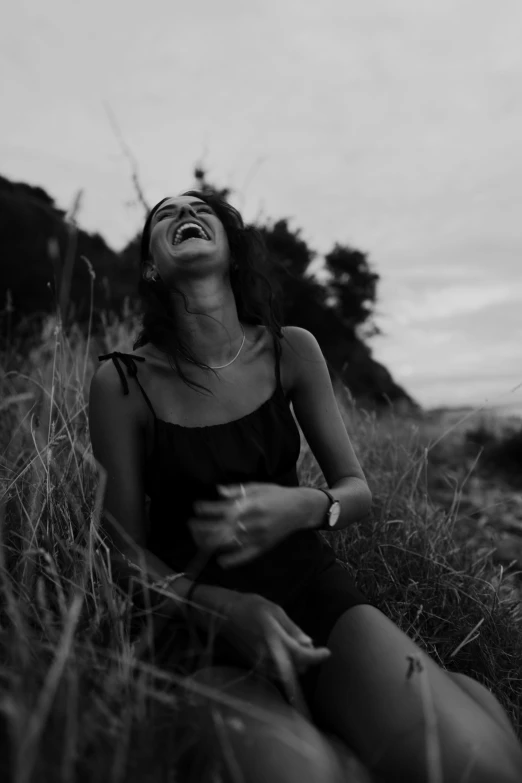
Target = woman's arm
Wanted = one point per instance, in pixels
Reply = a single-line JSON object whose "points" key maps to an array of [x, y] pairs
{"points": [[117, 429], [317, 412], [267, 512]]}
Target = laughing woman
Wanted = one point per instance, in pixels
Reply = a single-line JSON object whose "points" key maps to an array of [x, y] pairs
{"points": [[198, 419]]}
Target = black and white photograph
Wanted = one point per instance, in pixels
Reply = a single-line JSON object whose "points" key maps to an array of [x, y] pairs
{"points": [[261, 391]]}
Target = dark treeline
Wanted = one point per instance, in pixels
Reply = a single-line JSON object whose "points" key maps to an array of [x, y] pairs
{"points": [[42, 257]]}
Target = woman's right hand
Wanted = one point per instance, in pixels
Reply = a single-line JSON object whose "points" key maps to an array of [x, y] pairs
{"points": [[262, 631]]}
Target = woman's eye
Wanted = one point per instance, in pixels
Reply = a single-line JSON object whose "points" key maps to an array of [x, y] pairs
{"points": [[171, 214]]}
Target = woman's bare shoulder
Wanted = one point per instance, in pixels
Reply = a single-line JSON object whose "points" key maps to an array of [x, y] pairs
{"points": [[291, 343], [108, 386], [299, 349], [107, 369], [300, 344]]}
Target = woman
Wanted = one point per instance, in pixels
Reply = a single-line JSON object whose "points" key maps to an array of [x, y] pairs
{"points": [[203, 431]]}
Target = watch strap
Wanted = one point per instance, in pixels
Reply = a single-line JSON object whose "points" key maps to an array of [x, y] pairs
{"points": [[324, 524]]}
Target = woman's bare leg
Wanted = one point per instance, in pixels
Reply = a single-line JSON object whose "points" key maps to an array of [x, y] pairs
{"points": [[485, 698], [260, 738], [382, 695]]}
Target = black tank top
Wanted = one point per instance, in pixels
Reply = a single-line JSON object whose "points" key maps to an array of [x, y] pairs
{"points": [[186, 465]]}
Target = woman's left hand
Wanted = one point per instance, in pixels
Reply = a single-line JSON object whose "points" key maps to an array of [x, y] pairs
{"points": [[251, 519]]}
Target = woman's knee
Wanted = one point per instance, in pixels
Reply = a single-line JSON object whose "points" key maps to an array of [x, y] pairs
{"points": [[492, 756], [380, 704], [243, 719], [485, 698]]}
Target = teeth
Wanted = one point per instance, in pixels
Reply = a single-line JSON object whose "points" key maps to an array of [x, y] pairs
{"points": [[179, 232]]}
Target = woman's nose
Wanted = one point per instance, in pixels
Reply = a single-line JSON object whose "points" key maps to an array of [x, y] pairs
{"points": [[185, 209]]}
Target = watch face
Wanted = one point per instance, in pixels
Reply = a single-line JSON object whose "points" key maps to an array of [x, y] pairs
{"points": [[335, 511]]}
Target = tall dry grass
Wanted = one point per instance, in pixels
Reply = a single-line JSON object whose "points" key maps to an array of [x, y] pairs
{"points": [[75, 702]]}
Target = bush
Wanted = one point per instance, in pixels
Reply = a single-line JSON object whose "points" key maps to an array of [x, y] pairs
{"points": [[500, 453]]}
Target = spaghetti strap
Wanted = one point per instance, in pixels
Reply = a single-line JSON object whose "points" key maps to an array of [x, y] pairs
{"points": [[277, 351], [130, 363]]}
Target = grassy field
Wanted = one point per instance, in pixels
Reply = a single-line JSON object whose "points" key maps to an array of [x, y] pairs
{"points": [[440, 554]]}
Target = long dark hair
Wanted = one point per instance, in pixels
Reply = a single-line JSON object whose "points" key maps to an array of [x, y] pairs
{"points": [[255, 289]]}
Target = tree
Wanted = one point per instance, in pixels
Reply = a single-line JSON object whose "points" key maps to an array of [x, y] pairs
{"points": [[353, 285], [200, 175], [291, 251], [35, 241]]}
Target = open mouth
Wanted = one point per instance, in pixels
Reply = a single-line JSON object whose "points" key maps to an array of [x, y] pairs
{"points": [[189, 230]]}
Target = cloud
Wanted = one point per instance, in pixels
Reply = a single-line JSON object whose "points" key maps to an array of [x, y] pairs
{"points": [[462, 359], [449, 301]]}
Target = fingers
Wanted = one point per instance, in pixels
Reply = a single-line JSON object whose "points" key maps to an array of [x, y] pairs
{"points": [[287, 664], [282, 661], [230, 534], [284, 666], [304, 657], [293, 629], [239, 556], [299, 644], [231, 490], [241, 490], [218, 509], [210, 536]]}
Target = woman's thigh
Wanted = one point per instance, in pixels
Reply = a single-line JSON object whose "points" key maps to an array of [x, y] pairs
{"points": [[400, 715], [242, 724], [485, 698]]}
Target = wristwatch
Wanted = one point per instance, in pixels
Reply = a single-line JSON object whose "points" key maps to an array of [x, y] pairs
{"points": [[332, 513]]}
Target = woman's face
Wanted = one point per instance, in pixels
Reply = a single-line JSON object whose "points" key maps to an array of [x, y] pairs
{"points": [[187, 237]]}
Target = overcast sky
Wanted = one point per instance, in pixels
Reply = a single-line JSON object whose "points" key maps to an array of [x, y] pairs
{"points": [[392, 126]]}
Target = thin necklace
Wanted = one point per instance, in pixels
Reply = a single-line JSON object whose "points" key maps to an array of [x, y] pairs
{"points": [[220, 366]]}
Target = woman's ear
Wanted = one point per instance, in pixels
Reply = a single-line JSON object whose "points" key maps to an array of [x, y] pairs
{"points": [[150, 273]]}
